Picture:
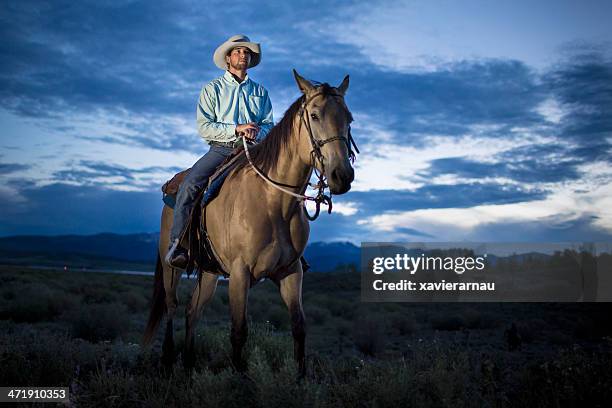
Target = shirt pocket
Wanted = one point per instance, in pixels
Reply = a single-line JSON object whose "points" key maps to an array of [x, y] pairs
{"points": [[256, 105]]}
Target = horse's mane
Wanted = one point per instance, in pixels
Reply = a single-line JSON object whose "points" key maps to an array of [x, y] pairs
{"points": [[265, 154]]}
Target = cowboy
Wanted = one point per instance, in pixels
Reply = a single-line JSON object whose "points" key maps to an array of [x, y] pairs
{"points": [[230, 106]]}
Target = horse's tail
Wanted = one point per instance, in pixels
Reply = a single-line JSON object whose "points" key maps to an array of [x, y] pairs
{"points": [[158, 303]]}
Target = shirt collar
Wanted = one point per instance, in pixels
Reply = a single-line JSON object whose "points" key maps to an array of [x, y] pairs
{"points": [[230, 78]]}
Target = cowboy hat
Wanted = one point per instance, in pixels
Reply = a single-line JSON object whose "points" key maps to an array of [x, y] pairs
{"points": [[239, 40]]}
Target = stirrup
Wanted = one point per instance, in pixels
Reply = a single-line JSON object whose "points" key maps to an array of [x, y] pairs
{"points": [[168, 258]]}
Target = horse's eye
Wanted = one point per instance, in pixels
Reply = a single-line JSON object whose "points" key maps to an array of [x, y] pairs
{"points": [[314, 116]]}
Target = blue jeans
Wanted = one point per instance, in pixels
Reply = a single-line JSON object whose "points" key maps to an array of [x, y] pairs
{"points": [[192, 185]]}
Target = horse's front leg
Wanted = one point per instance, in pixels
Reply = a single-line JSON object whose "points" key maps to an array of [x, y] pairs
{"points": [[171, 278], [202, 295], [239, 284], [291, 292]]}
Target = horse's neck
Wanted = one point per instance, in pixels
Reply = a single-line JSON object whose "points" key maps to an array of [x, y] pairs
{"points": [[290, 169]]}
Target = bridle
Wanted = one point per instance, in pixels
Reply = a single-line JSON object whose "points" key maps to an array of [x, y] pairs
{"points": [[315, 155]]}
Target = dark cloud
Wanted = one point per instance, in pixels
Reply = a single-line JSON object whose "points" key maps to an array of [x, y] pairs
{"points": [[75, 56], [577, 230], [146, 61], [439, 196], [6, 168], [583, 84], [150, 60], [413, 232], [526, 171], [139, 56], [87, 172], [69, 209], [451, 101]]}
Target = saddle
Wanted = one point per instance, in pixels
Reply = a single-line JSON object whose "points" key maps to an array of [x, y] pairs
{"points": [[201, 252], [171, 187]]}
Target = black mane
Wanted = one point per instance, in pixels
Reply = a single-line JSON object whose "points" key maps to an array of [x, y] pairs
{"points": [[265, 154]]}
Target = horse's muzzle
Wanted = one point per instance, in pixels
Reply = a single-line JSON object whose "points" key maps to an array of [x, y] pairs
{"points": [[340, 180]]}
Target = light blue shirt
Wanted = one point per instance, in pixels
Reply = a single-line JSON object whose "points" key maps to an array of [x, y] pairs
{"points": [[225, 103]]}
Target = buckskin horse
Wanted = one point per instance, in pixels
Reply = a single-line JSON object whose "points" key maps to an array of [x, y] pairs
{"points": [[257, 225]]}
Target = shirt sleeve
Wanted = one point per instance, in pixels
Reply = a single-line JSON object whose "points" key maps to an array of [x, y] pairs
{"points": [[208, 127], [267, 121]]}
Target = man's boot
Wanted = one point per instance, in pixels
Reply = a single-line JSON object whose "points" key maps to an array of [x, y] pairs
{"points": [[177, 256]]}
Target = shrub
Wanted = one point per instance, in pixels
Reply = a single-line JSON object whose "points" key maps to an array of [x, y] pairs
{"points": [[217, 307], [99, 322], [35, 303], [8, 294], [37, 358], [98, 294], [134, 301], [368, 335], [532, 329], [403, 324], [448, 322], [343, 328], [316, 315], [278, 317]]}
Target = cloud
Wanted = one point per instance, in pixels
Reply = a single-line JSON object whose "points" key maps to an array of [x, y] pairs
{"points": [[528, 171], [143, 57], [80, 56], [495, 94], [112, 87], [417, 36], [583, 86], [440, 196], [565, 208], [89, 173], [6, 168], [68, 209]]}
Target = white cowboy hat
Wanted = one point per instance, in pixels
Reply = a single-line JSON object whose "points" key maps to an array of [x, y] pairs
{"points": [[239, 40]]}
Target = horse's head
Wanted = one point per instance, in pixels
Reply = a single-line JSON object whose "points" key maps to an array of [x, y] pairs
{"points": [[325, 121]]}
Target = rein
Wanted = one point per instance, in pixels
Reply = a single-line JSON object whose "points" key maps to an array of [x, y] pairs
{"points": [[315, 154]]}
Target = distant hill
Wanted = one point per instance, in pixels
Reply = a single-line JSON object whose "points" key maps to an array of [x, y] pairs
{"points": [[132, 247], [327, 256], [135, 249]]}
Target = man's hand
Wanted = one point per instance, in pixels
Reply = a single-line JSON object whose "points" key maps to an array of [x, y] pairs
{"points": [[248, 130]]}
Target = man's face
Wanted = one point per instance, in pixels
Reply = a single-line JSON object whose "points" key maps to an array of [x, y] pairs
{"points": [[239, 58]]}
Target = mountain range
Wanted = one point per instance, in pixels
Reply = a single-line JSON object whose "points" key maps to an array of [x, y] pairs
{"points": [[137, 251]]}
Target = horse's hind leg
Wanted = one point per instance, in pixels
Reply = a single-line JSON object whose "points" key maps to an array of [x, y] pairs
{"points": [[202, 294], [291, 292], [239, 284]]}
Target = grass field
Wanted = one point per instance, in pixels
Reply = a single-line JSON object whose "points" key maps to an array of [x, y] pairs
{"points": [[83, 330]]}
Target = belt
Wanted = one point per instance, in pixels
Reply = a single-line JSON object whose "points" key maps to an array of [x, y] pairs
{"points": [[231, 145]]}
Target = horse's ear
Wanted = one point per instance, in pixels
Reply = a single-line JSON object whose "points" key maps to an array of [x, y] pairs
{"points": [[344, 85], [304, 85]]}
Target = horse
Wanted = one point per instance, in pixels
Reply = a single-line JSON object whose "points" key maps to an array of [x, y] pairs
{"points": [[257, 225]]}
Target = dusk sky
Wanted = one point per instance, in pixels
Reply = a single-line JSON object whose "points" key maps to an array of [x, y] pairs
{"points": [[476, 120]]}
